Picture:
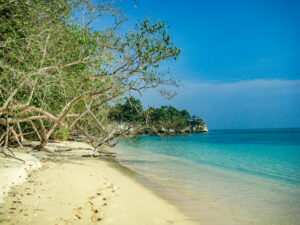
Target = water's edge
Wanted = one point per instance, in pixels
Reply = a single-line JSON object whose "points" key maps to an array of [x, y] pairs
{"points": [[205, 213], [250, 176]]}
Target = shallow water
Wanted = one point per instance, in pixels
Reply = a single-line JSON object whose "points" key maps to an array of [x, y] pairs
{"points": [[252, 176]]}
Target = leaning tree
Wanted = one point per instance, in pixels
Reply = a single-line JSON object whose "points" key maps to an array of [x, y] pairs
{"points": [[61, 73]]}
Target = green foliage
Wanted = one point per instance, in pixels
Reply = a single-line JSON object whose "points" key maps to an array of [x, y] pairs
{"points": [[166, 116], [130, 111], [61, 134], [169, 117], [68, 74]]}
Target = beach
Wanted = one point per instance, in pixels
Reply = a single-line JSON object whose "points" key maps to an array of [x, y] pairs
{"points": [[207, 179], [66, 188], [248, 177]]}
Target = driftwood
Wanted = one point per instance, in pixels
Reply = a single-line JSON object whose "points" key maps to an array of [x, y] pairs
{"points": [[98, 155], [73, 149]]}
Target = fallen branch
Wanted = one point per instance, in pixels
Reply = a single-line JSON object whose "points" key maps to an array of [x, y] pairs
{"points": [[10, 156]]}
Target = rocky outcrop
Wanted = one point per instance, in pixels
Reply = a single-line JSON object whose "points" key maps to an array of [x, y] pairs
{"points": [[194, 128], [199, 128]]}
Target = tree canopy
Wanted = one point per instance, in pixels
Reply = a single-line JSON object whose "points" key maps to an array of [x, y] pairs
{"points": [[59, 75], [165, 116]]}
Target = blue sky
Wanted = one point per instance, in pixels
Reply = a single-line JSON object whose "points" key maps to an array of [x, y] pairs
{"points": [[240, 62]]}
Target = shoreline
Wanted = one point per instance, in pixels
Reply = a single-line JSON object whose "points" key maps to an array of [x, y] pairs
{"points": [[201, 211], [70, 189]]}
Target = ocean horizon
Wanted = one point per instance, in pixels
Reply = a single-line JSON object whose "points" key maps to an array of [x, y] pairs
{"points": [[249, 175]]}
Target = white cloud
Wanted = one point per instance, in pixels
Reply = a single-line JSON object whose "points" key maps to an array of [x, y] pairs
{"points": [[250, 103], [254, 86]]}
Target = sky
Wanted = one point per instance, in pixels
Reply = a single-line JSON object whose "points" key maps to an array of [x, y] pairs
{"points": [[240, 61]]}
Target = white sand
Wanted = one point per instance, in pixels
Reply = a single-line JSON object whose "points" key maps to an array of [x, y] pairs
{"points": [[13, 172], [70, 189]]}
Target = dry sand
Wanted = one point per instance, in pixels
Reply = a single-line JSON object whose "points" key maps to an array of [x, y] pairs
{"points": [[13, 172], [70, 189]]}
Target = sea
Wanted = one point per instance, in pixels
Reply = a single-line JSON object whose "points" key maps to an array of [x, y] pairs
{"points": [[249, 177]]}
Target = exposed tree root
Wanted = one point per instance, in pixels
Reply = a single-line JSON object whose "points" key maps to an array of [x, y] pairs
{"points": [[38, 148], [11, 155]]}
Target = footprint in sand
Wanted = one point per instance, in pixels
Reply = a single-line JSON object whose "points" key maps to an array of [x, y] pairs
{"points": [[95, 218], [91, 198], [95, 210], [77, 217], [78, 209]]}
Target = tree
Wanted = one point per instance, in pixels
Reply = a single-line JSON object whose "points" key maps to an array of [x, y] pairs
{"points": [[130, 111], [164, 117], [185, 115], [58, 74]]}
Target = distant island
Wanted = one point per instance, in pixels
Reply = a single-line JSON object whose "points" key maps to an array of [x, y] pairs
{"points": [[166, 120]]}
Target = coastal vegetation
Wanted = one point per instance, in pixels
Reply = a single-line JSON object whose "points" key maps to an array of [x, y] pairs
{"points": [[62, 71], [163, 119]]}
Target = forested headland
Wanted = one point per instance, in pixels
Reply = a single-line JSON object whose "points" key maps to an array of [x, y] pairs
{"points": [[163, 120], [61, 76]]}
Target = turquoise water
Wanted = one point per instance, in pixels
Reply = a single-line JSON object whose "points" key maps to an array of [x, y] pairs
{"points": [[252, 176]]}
